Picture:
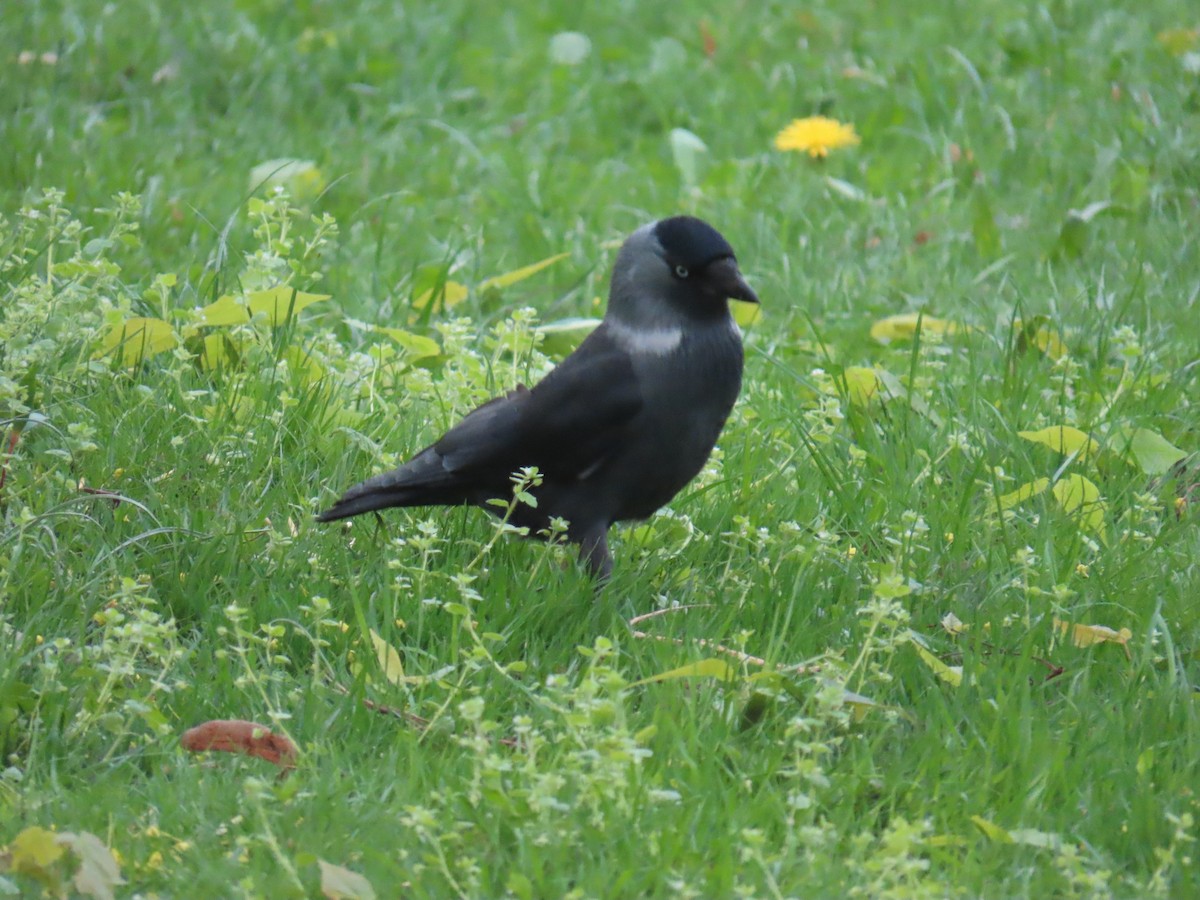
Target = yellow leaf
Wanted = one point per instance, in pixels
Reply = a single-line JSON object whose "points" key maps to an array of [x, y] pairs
{"points": [[1087, 635], [136, 339], [34, 850], [904, 327], [862, 384], [1041, 335], [510, 278], [303, 364], [1064, 439], [991, 830], [1023, 493], [449, 296], [417, 346], [744, 313], [1179, 41], [389, 659], [705, 668], [281, 302], [950, 674], [217, 352], [225, 311], [1079, 497]]}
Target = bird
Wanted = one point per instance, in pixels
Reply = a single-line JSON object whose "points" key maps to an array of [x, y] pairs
{"points": [[621, 425]]}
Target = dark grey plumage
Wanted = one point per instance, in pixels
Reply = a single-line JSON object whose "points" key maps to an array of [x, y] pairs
{"points": [[622, 424]]}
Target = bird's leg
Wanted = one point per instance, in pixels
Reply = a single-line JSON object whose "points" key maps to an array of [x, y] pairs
{"points": [[593, 552]]}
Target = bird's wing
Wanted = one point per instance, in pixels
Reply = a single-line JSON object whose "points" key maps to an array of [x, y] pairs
{"points": [[566, 425]]}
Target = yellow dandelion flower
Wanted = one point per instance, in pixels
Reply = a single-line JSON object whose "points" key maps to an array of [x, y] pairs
{"points": [[816, 134]]}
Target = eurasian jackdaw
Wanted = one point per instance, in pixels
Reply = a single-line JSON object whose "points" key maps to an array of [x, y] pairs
{"points": [[622, 424]]}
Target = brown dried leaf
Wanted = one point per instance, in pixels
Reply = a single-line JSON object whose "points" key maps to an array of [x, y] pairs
{"points": [[240, 736]]}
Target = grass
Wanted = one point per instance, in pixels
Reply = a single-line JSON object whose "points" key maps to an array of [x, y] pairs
{"points": [[843, 520]]}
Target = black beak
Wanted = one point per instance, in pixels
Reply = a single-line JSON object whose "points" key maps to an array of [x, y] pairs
{"points": [[725, 278]]}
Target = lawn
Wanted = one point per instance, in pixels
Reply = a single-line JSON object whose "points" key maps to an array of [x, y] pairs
{"points": [[927, 625]]}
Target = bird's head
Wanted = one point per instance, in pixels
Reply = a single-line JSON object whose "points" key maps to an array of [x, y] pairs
{"points": [[674, 271]]}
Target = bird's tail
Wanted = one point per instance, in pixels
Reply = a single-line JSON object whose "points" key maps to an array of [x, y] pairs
{"points": [[354, 503], [413, 484]]}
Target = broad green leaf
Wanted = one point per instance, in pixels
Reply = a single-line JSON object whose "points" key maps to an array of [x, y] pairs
{"points": [[892, 387], [983, 224], [903, 327], [280, 302], [1076, 228], [136, 339], [1179, 41], [508, 279], [301, 177], [1063, 439], [1080, 498], [519, 886], [226, 310], [1038, 333], [389, 660], [448, 296], [417, 346], [1149, 450], [861, 384], [950, 674], [338, 883], [561, 337], [705, 668], [1145, 761], [687, 150], [745, 313], [991, 830], [1023, 493]]}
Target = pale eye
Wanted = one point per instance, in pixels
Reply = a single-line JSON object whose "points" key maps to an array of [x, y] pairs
{"points": [[681, 271]]}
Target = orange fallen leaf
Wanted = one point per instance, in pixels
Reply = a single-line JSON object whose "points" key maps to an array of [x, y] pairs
{"points": [[240, 736]]}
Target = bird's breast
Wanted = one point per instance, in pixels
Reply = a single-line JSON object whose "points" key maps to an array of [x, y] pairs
{"points": [[687, 396]]}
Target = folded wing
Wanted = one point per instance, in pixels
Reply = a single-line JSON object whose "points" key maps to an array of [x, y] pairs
{"points": [[566, 425]]}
